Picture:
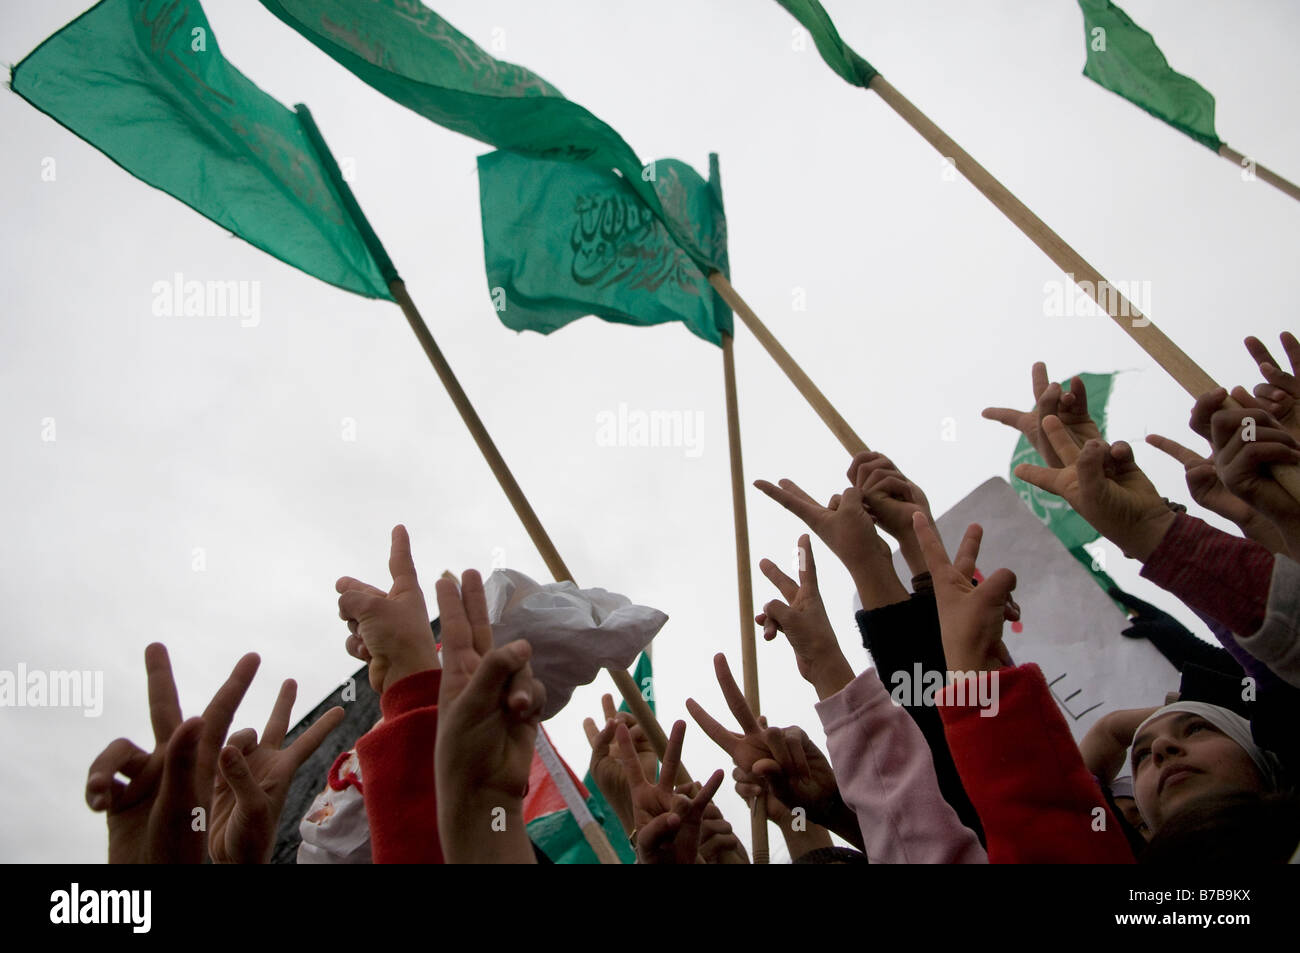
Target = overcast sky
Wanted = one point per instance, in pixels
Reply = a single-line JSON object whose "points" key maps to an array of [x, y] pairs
{"points": [[175, 434]]}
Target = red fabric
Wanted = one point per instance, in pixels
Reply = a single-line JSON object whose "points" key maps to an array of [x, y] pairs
{"points": [[544, 795], [1024, 775], [340, 783], [1220, 575], [397, 765]]}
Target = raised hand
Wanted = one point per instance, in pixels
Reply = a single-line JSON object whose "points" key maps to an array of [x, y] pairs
{"points": [[489, 706], [892, 499], [390, 630], [1070, 407], [605, 768], [817, 652], [784, 759], [970, 616], [151, 819], [668, 824], [1248, 443], [848, 530], [254, 782], [1279, 392], [718, 841], [1208, 491], [1105, 486]]}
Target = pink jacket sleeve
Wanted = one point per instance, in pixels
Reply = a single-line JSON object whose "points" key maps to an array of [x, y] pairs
{"points": [[886, 775]]}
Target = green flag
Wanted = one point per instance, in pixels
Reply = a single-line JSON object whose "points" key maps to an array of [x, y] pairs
{"points": [[144, 82], [1124, 58], [413, 56], [1070, 528], [561, 241], [558, 834], [838, 55]]}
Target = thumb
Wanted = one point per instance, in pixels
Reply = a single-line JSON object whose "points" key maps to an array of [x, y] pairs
{"points": [[400, 564], [484, 692]]}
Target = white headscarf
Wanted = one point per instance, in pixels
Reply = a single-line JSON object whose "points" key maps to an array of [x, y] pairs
{"points": [[1235, 727]]}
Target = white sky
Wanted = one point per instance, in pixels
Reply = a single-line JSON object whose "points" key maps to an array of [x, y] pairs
{"points": [[923, 303]]}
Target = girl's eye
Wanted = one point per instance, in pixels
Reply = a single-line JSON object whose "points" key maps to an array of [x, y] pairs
{"points": [[1140, 756]]}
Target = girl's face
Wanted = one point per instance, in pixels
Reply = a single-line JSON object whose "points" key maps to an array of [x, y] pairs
{"points": [[1179, 758]]}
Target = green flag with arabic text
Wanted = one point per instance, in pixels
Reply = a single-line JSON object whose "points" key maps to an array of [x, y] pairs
{"points": [[144, 82], [561, 241], [416, 58]]}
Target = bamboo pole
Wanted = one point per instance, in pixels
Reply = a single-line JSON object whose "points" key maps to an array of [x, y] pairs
{"points": [[829, 415], [744, 580], [532, 525], [1267, 175], [1140, 328]]}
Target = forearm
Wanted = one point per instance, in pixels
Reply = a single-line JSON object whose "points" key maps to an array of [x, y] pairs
{"points": [[1104, 746], [886, 776], [838, 818], [483, 830], [1026, 777], [906, 644], [1223, 576], [799, 842], [877, 582]]}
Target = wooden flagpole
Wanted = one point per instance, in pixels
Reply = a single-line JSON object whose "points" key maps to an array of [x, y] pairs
{"points": [[1267, 175], [1151, 339], [627, 686], [744, 579], [829, 415]]}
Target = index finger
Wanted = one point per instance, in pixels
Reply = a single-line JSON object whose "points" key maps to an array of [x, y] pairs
{"points": [[277, 726], [1038, 379], [457, 636], [723, 738], [784, 584], [626, 755], [735, 697], [672, 755], [968, 553], [807, 568], [305, 745], [803, 507], [164, 703], [476, 611], [1259, 351], [1184, 455], [221, 710], [936, 557], [1292, 348]]}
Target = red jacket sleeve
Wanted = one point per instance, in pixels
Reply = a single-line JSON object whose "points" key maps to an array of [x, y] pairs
{"points": [[1026, 778], [1222, 576], [397, 769]]}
